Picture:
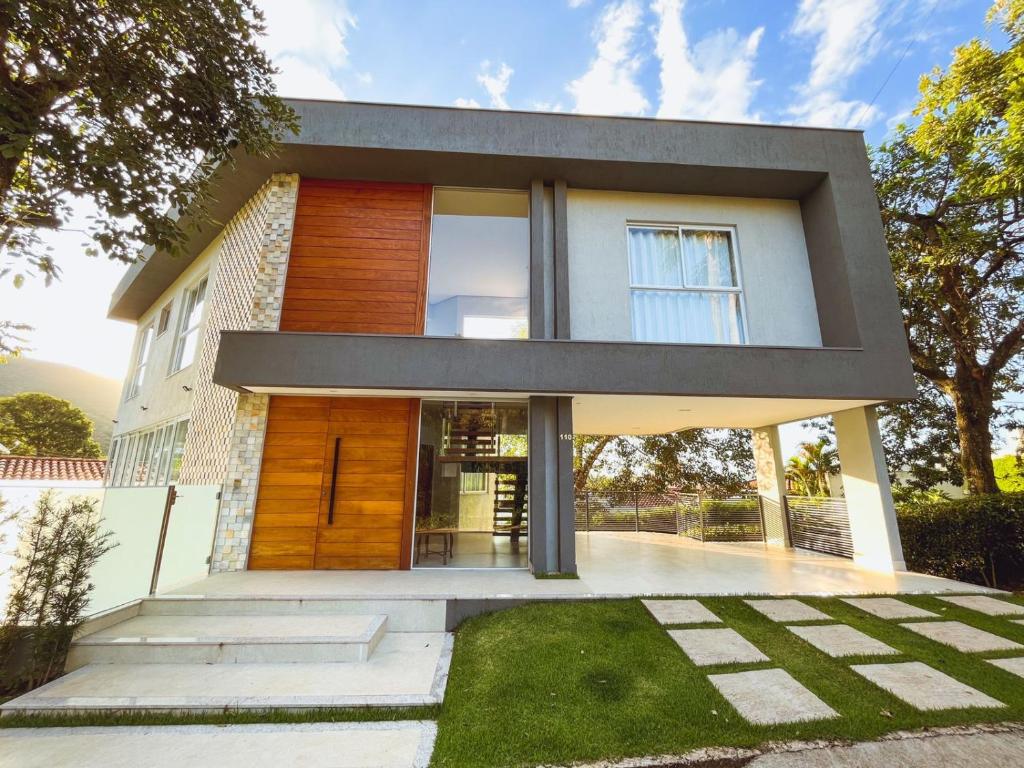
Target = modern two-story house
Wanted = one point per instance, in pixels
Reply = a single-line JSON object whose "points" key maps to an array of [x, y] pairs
{"points": [[380, 360]]}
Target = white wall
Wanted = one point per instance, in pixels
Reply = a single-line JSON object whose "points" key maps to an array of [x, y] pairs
{"points": [[162, 394], [20, 497], [773, 261]]}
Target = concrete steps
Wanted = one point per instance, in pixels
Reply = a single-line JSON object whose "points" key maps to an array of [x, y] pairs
{"points": [[404, 615], [214, 654], [230, 639]]}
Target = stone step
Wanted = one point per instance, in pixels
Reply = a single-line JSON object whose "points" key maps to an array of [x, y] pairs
{"points": [[406, 669], [401, 744], [230, 639], [404, 615]]}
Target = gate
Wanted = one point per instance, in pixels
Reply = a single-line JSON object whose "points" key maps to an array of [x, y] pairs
{"points": [[820, 524]]}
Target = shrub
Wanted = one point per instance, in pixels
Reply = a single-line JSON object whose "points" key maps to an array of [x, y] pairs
{"points": [[59, 545], [978, 539]]}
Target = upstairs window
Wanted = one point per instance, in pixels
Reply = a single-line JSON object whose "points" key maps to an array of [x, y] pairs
{"points": [[479, 285], [685, 285], [188, 328], [141, 361], [165, 319]]}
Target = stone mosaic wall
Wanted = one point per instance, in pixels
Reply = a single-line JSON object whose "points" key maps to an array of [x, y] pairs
{"points": [[225, 437]]}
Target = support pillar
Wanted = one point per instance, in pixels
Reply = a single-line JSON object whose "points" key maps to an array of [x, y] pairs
{"points": [[771, 484], [876, 537], [552, 514]]}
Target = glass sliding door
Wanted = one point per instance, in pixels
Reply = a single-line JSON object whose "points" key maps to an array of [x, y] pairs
{"points": [[471, 495]]}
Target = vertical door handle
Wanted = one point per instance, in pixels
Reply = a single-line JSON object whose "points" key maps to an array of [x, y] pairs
{"points": [[334, 480]]}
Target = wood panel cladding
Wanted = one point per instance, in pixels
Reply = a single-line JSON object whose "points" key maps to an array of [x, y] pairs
{"points": [[358, 260], [373, 500]]}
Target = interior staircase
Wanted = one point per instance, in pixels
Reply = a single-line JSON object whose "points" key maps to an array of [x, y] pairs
{"points": [[202, 654], [510, 503]]}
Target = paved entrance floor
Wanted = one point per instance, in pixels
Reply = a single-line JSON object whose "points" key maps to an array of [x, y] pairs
{"points": [[309, 745], [610, 565]]}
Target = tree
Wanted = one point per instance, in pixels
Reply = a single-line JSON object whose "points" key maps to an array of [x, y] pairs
{"points": [[810, 469], [131, 104], [953, 210], [920, 439], [36, 424], [714, 461]]}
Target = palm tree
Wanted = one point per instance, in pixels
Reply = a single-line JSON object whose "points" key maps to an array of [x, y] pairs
{"points": [[809, 470]]}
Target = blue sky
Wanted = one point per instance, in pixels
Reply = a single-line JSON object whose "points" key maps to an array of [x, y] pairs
{"points": [[814, 62], [818, 62]]}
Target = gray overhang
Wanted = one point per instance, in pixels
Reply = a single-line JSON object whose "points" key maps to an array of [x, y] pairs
{"points": [[282, 361]]}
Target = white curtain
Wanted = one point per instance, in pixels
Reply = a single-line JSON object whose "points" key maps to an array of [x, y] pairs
{"points": [[687, 317], [654, 257], [707, 260]]}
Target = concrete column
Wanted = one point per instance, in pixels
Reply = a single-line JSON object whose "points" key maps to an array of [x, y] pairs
{"points": [[876, 537], [552, 517], [771, 484]]}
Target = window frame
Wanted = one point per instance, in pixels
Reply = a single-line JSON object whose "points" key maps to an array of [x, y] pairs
{"points": [[687, 287], [181, 331], [163, 322], [143, 351]]}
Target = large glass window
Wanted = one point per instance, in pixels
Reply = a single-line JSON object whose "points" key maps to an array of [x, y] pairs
{"points": [[479, 264], [685, 285], [187, 343], [147, 457], [471, 499]]}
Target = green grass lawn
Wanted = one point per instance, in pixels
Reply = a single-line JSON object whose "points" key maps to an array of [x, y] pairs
{"points": [[556, 682], [559, 682]]}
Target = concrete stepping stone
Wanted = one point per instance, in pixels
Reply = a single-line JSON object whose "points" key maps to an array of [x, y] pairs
{"points": [[786, 610], [990, 606], [922, 687], [679, 612], [888, 608], [707, 647], [961, 636], [771, 697], [1016, 665], [839, 640], [402, 744]]}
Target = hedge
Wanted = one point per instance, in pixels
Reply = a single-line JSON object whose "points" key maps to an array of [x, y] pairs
{"points": [[978, 539]]}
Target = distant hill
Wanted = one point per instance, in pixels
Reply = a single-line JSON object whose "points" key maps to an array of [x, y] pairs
{"points": [[94, 394]]}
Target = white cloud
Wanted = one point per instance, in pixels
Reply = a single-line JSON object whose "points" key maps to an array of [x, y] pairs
{"points": [[496, 85], [306, 41], [713, 80], [577, 3], [847, 38], [609, 86], [467, 103]]}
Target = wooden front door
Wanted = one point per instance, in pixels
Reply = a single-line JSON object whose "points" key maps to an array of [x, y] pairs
{"points": [[369, 524]]}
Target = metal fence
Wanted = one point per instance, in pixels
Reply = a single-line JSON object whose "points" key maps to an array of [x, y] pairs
{"points": [[820, 524], [688, 514]]}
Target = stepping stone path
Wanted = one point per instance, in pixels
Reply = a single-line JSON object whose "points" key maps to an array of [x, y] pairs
{"points": [[679, 612], [841, 640], [771, 697], [786, 610], [924, 688], [888, 608], [961, 636], [1010, 665], [990, 606], [707, 647]]}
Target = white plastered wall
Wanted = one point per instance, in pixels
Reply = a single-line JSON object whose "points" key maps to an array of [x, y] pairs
{"points": [[775, 272], [163, 394]]}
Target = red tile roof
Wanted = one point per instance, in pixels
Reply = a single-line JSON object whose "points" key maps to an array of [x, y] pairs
{"points": [[51, 468]]}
